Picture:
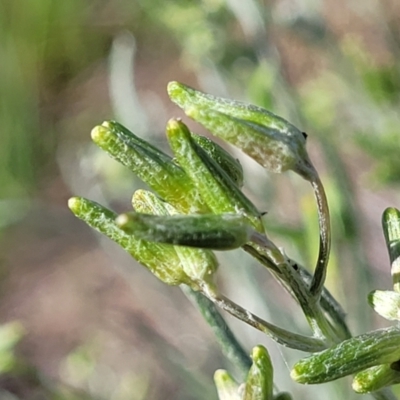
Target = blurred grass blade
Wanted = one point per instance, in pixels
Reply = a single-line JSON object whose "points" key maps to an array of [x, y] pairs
{"points": [[270, 140], [259, 383], [226, 386], [161, 260], [207, 231], [151, 165], [349, 357], [391, 230], [230, 165], [216, 188]]}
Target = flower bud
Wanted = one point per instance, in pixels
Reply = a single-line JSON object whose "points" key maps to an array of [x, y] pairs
{"points": [[270, 140], [259, 383], [376, 378], [161, 260], [151, 165], [198, 264], [216, 188], [349, 357], [228, 164], [226, 386]]}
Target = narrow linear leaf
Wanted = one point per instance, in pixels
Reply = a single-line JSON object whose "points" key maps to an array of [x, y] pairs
{"points": [[228, 164], [216, 188], [376, 378], [151, 165], [198, 264], [161, 260], [349, 357], [259, 383], [211, 231]]}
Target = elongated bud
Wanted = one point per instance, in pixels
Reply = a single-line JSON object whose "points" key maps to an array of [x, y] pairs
{"points": [[259, 383], [198, 264], [270, 140], [207, 231], [386, 303], [216, 188], [160, 259], [376, 378], [228, 164], [349, 357], [391, 230], [226, 386], [150, 164]]}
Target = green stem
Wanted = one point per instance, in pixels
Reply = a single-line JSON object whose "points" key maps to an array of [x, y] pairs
{"points": [[318, 281], [230, 347], [279, 335]]}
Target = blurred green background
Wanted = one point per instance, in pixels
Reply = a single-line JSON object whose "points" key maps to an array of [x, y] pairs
{"points": [[93, 324]]}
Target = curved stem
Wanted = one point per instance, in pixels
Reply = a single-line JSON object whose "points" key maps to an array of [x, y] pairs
{"points": [[318, 280], [279, 335]]}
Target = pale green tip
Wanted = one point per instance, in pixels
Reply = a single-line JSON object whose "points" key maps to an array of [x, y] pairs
{"points": [[172, 86], [122, 220], [174, 124], [295, 376], [98, 132], [74, 203]]}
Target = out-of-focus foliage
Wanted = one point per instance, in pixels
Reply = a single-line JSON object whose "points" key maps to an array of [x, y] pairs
{"points": [[331, 68]]}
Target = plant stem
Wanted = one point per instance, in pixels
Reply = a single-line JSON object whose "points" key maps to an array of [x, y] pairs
{"points": [[279, 335], [230, 347], [317, 283]]}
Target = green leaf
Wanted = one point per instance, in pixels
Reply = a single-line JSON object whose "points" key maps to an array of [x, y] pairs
{"points": [[259, 383], [207, 231], [376, 378], [386, 303], [151, 165], [216, 188], [160, 259], [270, 140], [198, 264], [349, 357], [228, 164]]}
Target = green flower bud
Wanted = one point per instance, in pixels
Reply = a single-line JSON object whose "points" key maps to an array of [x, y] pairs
{"points": [[198, 264], [270, 140], [391, 230], [226, 386], [349, 357], [386, 303], [207, 231], [376, 378], [259, 383], [216, 188], [160, 259], [150, 164], [230, 165]]}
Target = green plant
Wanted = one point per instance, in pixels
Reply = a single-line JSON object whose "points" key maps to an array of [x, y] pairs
{"points": [[198, 207]]}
